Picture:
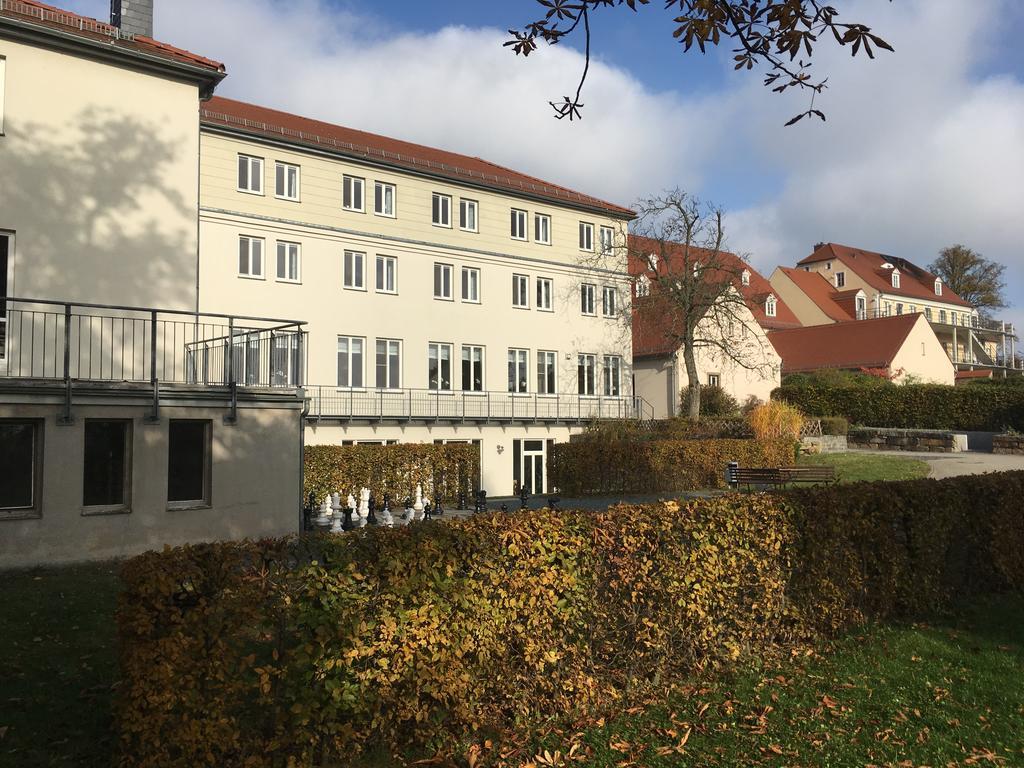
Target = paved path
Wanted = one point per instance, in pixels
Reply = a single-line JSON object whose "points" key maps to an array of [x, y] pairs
{"points": [[957, 464]]}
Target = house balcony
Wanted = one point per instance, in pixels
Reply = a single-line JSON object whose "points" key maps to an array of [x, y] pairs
{"points": [[76, 348], [327, 403]]}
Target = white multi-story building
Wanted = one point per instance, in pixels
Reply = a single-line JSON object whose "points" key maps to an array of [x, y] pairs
{"points": [[447, 298]]}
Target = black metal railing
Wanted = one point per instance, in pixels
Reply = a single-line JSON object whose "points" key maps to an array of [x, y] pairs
{"points": [[327, 402], [69, 341]]}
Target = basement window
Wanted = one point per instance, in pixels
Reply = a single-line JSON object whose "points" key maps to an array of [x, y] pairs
{"points": [[188, 463], [107, 467], [21, 457]]}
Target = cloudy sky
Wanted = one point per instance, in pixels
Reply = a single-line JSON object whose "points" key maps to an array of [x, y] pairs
{"points": [[923, 148]]}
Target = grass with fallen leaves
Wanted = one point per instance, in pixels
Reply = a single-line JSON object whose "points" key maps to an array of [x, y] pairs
{"points": [[853, 467]]}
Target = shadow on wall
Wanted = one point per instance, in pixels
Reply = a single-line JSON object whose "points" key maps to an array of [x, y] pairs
{"points": [[102, 211]]}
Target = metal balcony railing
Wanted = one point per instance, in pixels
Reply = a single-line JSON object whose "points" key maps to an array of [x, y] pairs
{"points": [[327, 402], [951, 320]]}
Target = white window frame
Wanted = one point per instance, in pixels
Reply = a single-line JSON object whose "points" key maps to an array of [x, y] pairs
{"points": [[588, 298], [609, 301], [281, 181], [895, 278], [518, 221], [358, 276], [714, 380], [349, 185], [745, 277], [389, 361], [519, 362], [34, 508], [545, 294], [542, 234], [292, 252], [642, 286], [250, 240], [465, 283], [351, 370], [380, 199], [477, 356], [3, 81], [441, 203], [547, 368], [520, 291], [840, 279], [434, 351], [440, 270], [938, 286], [586, 363], [771, 306], [252, 161], [612, 376], [586, 236], [861, 307], [380, 270], [607, 240], [465, 206]]}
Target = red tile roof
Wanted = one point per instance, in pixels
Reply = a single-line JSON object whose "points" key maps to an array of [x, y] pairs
{"points": [[915, 282], [49, 17], [272, 123], [850, 346], [819, 290], [651, 336]]}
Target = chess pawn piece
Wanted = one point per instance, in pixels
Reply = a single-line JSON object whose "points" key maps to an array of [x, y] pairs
{"points": [[438, 509], [324, 518], [407, 515], [352, 505], [371, 518], [428, 511], [385, 514]]}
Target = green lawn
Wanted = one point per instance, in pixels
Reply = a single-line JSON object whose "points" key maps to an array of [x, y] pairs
{"points": [[853, 467]]}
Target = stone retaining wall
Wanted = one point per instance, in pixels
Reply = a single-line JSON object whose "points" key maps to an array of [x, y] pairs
{"points": [[928, 441], [1013, 444]]}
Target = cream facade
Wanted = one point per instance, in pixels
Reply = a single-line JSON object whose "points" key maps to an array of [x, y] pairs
{"points": [[922, 358]]}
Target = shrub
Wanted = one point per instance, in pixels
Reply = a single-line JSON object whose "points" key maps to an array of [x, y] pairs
{"points": [[834, 425], [714, 401], [926, 406], [444, 471], [776, 421], [582, 467], [304, 652]]}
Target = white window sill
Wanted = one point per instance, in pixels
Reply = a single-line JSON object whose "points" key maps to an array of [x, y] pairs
{"points": [[252, 277], [185, 506], [286, 280], [287, 199], [251, 192], [104, 510]]}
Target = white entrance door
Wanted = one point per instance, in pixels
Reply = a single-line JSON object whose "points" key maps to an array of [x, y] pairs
{"points": [[533, 470]]}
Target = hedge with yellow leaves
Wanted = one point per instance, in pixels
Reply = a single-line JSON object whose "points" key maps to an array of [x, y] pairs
{"points": [[304, 652]]}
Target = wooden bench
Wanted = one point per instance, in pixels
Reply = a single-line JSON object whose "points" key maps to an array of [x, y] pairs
{"points": [[778, 477]]}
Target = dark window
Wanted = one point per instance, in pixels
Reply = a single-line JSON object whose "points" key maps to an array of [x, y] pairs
{"points": [[19, 458], [107, 463], [188, 465]]}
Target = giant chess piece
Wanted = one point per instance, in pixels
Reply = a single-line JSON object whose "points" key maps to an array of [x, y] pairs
{"points": [[407, 515], [371, 518], [428, 511], [347, 524], [323, 520], [462, 500], [418, 506], [438, 509], [336, 513], [385, 514], [352, 505]]}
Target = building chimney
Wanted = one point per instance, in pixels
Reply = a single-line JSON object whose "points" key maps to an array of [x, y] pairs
{"points": [[133, 17]]}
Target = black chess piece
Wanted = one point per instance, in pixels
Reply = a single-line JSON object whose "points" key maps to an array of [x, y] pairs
{"points": [[504, 507], [438, 509], [524, 498], [462, 500], [428, 511], [346, 524], [371, 517]]}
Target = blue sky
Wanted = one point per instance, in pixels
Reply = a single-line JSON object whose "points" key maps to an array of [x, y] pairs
{"points": [[923, 148]]}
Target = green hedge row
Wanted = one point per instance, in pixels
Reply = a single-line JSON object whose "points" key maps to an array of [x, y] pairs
{"points": [[304, 652], [926, 406]]}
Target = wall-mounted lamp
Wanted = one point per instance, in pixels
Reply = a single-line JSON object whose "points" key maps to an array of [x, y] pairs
{"points": [[501, 449]]}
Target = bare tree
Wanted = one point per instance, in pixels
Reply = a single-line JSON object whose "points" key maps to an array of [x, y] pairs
{"points": [[975, 279], [689, 289]]}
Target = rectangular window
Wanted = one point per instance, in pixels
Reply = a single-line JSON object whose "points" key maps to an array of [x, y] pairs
{"points": [[542, 228], [286, 181], [250, 256], [607, 240], [3, 80], [840, 279], [439, 366], [472, 369], [587, 293], [250, 174], [288, 262], [518, 370], [188, 463], [544, 294], [609, 301], [355, 270], [352, 193], [546, 373], [443, 281], [107, 468], [467, 215], [521, 291], [586, 368], [612, 376], [586, 236], [471, 285], [389, 366], [387, 274], [384, 199], [441, 210], [285, 360], [350, 361], [21, 458], [518, 224], [714, 380]]}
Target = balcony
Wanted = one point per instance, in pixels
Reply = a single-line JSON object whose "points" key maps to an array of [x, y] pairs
{"points": [[380, 405], [77, 345]]}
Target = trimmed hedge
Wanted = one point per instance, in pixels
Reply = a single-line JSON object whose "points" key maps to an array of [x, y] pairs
{"points": [[443, 470], [913, 406], [303, 652], [594, 466]]}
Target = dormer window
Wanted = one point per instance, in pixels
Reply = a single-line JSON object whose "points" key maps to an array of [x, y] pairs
{"points": [[938, 286], [643, 286], [895, 278], [770, 306], [840, 279], [745, 277], [652, 259]]}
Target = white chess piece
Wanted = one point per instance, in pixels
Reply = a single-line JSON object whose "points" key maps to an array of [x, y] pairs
{"points": [[324, 518], [364, 503], [352, 505], [336, 513], [418, 506], [385, 517]]}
